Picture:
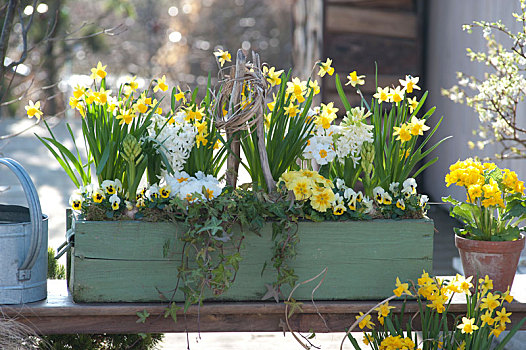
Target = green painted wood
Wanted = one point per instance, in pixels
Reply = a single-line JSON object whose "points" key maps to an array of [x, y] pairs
{"points": [[363, 260]]}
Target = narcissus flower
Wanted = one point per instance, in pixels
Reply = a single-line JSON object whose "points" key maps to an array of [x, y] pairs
{"points": [[273, 76], [126, 116], [292, 110], [180, 95], [467, 325], [98, 72], [412, 103], [410, 83], [418, 126], [382, 94], [402, 133], [396, 95], [33, 110], [223, 56], [365, 322], [355, 79], [325, 68], [161, 84], [401, 288]]}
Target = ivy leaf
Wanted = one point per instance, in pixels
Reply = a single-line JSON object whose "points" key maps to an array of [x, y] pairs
{"points": [[294, 306], [272, 292], [142, 316], [172, 311]]}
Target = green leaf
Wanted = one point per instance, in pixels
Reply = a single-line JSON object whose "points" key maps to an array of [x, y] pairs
{"points": [[143, 316], [294, 306], [171, 311]]}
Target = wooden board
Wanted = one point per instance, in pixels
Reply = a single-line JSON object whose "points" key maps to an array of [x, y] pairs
{"points": [[371, 21], [363, 259], [58, 314], [408, 5], [360, 52]]}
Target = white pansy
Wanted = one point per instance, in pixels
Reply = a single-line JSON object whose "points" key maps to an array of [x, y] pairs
{"points": [[393, 187], [423, 200]]}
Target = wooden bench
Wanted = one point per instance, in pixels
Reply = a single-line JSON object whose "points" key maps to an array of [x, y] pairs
{"points": [[58, 314]]}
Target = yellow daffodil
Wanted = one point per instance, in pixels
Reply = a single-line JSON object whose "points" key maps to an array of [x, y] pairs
{"points": [[355, 79], [325, 68], [273, 76], [313, 84], [382, 95], [412, 103], [486, 284], [418, 126], [297, 88], [180, 95], [365, 322], [401, 288], [201, 138], [498, 329], [292, 110], [223, 56], [403, 132], [126, 116], [102, 95], [194, 113], [161, 84], [502, 316], [78, 91], [384, 309], [490, 302], [487, 319], [396, 95], [409, 83], [33, 110], [468, 325], [98, 72]]}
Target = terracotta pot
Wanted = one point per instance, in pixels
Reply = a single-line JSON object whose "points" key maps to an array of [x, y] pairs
{"points": [[498, 260]]}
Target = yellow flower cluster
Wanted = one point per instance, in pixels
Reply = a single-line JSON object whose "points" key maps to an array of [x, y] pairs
{"points": [[406, 131], [309, 185], [397, 343], [475, 177]]}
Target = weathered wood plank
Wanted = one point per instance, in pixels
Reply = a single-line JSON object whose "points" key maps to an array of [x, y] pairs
{"points": [[371, 21], [408, 5], [359, 52], [351, 251], [59, 315]]}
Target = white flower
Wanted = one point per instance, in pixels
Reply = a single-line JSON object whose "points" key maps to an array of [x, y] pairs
{"points": [[109, 186], [115, 201], [423, 200], [367, 204], [340, 184], [410, 183], [118, 185], [378, 193], [393, 187], [75, 200], [152, 192], [348, 193]]}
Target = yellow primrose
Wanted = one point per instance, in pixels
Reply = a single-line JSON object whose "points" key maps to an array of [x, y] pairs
{"points": [[325, 67], [161, 84], [382, 94], [223, 56], [273, 76], [98, 72], [301, 188], [355, 79], [321, 199], [410, 83], [33, 110]]}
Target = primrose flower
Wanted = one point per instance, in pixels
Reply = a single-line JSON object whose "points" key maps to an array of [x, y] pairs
{"points": [[161, 84], [33, 110], [115, 201], [355, 79], [325, 67], [98, 72], [321, 199], [223, 56], [409, 83]]}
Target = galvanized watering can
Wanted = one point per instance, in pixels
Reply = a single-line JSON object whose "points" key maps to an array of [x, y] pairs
{"points": [[23, 245]]}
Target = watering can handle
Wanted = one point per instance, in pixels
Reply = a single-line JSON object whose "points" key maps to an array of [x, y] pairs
{"points": [[35, 212]]}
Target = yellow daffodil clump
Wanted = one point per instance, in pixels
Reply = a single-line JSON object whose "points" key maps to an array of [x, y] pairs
{"points": [[486, 316]]}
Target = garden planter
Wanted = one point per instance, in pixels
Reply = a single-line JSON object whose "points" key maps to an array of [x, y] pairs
{"points": [[498, 260], [125, 260]]}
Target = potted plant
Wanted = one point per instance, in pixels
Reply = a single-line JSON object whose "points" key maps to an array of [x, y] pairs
{"points": [[491, 241], [161, 224]]}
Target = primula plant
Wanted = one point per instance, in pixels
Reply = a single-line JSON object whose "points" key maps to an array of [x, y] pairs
{"points": [[485, 319], [494, 205], [496, 97]]}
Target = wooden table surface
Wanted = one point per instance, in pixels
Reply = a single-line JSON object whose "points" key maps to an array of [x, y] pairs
{"points": [[58, 314]]}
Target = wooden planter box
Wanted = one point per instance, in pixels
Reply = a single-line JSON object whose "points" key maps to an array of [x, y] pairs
{"points": [[123, 260]]}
